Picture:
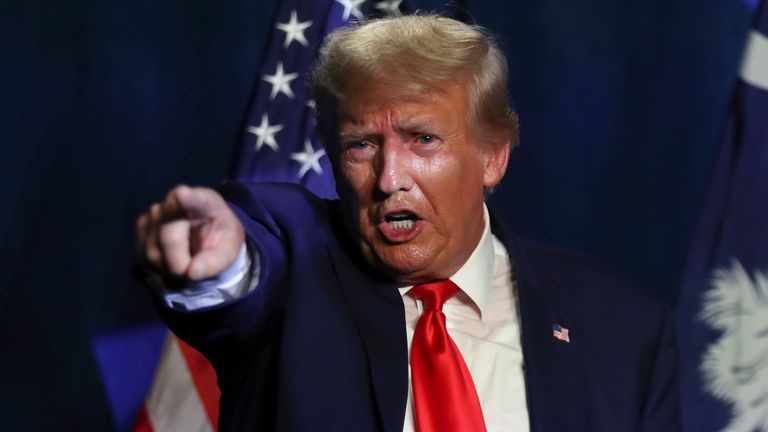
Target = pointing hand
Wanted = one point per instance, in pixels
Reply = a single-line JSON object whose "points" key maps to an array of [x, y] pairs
{"points": [[192, 234]]}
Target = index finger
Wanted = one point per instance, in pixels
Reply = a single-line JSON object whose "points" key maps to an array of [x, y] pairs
{"points": [[194, 202]]}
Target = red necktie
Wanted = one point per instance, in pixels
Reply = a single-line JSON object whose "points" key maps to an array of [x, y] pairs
{"points": [[444, 395]]}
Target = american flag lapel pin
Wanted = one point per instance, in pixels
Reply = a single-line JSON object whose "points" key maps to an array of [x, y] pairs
{"points": [[560, 333]]}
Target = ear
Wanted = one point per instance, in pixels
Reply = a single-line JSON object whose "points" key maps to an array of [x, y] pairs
{"points": [[496, 163]]}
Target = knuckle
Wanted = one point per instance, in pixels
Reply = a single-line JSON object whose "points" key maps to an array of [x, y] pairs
{"points": [[153, 255], [208, 194], [171, 235], [179, 187], [155, 212], [175, 265]]}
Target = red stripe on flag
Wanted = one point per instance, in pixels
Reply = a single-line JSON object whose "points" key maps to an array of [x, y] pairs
{"points": [[205, 381], [143, 424]]}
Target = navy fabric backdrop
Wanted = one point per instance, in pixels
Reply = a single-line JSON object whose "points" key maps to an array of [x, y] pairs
{"points": [[106, 104]]}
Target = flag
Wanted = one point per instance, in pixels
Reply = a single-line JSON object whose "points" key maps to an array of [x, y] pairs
{"points": [[278, 144], [126, 359], [723, 308], [184, 394], [560, 333]]}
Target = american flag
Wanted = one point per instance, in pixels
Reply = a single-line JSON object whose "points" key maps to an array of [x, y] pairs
{"points": [[560, 333], [278, 144], [184, 394]]}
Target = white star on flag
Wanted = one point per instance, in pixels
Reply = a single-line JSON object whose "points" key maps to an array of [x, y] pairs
{"points": [[265, 133], [294, 30], [281, 82], [351, 7], [309, 158], [389, 7]]}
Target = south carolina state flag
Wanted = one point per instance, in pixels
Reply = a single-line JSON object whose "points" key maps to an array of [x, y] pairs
{"points": [[723, 312]]}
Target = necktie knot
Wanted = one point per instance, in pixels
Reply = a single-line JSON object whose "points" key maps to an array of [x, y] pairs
{"points": [[434, 294]]}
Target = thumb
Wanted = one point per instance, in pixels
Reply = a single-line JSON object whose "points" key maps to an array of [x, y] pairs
{"points": [[209, 263], [217, 251]]}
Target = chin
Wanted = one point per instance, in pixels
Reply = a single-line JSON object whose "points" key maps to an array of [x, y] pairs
{"points": [[412, 262], [404, 265]]}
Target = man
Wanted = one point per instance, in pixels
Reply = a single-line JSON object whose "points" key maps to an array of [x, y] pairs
{"points": [[308, 309]]}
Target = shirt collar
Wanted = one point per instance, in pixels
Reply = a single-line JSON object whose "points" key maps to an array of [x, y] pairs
{"points": [[474, 278]]}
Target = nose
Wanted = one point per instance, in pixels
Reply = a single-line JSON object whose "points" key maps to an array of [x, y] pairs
{"points": [[393, 171]]}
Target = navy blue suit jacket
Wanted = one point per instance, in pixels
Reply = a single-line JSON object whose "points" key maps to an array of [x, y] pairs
{"points": [[320, 344]]}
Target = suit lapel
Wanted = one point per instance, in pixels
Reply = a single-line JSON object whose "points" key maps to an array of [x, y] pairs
{"points": [[553, 374], [377, 309]]}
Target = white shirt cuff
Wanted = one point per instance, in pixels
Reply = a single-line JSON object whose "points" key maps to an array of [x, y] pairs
{"points": [[235, 281]]}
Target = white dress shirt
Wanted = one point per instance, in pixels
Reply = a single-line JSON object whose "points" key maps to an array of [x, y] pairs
{"points": [[482, 319]]}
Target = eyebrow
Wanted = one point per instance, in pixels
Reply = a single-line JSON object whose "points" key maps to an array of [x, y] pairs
{"points": [[357, 134], [403, 126], [422, 125]]}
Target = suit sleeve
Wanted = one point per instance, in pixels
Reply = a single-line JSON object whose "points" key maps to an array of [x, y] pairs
{"points": [[229, 332], [661, 410]]}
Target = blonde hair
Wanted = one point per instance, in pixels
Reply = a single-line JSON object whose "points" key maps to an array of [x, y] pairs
{"points": [[415, 54]]}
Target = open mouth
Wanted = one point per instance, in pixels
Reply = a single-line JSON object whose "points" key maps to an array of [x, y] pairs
{"points": [[400, 226], [401, 220]]}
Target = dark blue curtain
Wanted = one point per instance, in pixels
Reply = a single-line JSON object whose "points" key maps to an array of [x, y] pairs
{"points": [[107, 104]]}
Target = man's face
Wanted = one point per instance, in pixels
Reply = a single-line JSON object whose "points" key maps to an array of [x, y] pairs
{"points": [[411, 178]]}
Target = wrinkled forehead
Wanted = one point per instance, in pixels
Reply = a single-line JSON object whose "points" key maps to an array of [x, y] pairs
{"points": [[400, 83], [373, 97], [377, 103]]}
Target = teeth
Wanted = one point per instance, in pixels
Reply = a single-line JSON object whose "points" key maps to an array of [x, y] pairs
{"points": [[401, 224]]}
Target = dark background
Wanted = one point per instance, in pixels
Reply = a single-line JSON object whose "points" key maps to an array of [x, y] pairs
{"points": [[106, 104]]}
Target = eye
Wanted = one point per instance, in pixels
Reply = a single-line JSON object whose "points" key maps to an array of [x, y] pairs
{"points": [[358, 150], [426, 139], [355, 145]]}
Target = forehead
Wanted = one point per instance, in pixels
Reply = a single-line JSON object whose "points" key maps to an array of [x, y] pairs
{"points": [[372, 104]]}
